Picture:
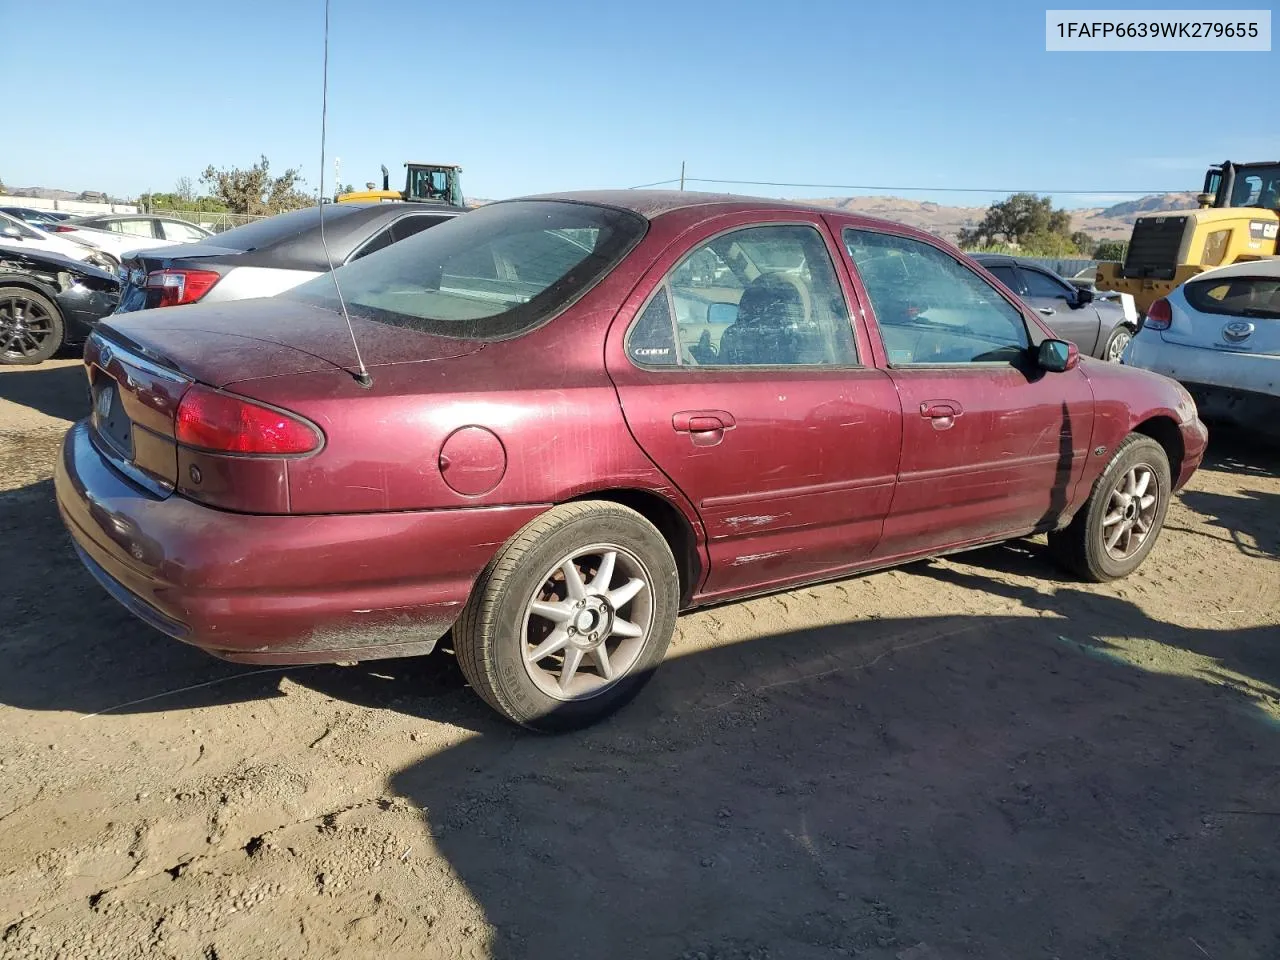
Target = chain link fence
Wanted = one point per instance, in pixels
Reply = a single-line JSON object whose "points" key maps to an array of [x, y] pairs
{"points": [[216, 222]]}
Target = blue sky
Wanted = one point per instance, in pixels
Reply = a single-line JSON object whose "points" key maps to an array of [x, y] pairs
{"points": [[560, 94]]}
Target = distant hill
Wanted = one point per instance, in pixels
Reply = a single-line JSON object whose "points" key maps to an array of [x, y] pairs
{"points": [[1102, 223], [49, 193], [1156, 203]]}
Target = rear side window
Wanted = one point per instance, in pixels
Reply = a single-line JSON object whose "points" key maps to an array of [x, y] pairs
{"points": [[930, 308], [762, 296], [406, 227], [1236, 296], [132, 228], [181, 232], [493, 273], [1006, 276]]}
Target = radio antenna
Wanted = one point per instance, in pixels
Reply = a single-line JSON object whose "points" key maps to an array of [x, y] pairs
{"points": [[362, 377]]}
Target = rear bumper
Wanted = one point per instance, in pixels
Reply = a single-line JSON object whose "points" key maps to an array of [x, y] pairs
{"points": [[276, 589]]}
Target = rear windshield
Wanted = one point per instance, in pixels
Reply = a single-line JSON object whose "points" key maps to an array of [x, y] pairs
{"points": [[1236, 296], [497, 272], [271, 230]]}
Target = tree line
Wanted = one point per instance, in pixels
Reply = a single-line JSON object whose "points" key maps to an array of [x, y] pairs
{"points": [[253, 190], [1028, 224]]}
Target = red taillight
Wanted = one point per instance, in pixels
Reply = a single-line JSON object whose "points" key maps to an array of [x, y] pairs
{"points": [[63, 228], [228, 424], [181, 286], [1159, 315]]}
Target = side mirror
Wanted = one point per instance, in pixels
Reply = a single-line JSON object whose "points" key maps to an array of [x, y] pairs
{"points": [[1083, 295], [1057, 356], [10, 232], [722, 313]]}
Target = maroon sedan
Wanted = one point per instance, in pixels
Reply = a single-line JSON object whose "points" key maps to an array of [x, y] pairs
{"points": [[585, 414]]}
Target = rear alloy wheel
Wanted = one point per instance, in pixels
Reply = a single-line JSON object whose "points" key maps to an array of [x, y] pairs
{"points": [[1116, 344], [30, 326], [1118, 526], [571, 618]]}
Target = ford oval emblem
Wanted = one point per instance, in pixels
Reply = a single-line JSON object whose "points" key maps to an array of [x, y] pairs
{"points": [[1237, 331], [104, 357]]}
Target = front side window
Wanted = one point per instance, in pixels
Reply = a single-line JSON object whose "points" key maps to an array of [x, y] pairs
{"points": [[930, 308], [759, 296], [1038, 284], [493, 273]]}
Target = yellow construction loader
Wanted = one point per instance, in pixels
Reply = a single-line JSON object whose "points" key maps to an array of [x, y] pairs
{"points": [[423, 183], [1238, 220]]}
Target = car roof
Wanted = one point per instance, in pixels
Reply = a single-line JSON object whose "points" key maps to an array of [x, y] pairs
{"points": [[652, 204], [295, 243], [1248, 268], [119, 216]]}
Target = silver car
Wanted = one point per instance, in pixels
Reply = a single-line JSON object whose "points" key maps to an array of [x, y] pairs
{"points": [[269, 256], [1219, 335]]}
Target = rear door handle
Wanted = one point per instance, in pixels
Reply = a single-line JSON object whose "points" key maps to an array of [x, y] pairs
{"points": [[702, 421], [1048, 311], [705, 427]]}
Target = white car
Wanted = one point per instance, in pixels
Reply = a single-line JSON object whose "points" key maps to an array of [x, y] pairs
{"points": [[17, 235], [1219, 335], [120, 234]]}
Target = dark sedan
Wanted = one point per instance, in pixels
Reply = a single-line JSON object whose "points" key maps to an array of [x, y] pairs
{"points": [[270, 256], [48, 301], [1098, 327], [573, 417]]}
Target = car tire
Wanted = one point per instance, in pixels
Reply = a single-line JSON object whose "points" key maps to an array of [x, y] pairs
{"points": [[1115, 346], [1118, 509], [31, 327], [525, 602]]}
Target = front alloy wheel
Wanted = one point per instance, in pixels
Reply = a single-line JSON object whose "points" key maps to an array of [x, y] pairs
{"points": [[1117, 343], [1118, 525]]}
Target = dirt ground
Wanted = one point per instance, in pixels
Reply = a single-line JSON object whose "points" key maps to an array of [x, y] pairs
{"points": [[965, 758]]}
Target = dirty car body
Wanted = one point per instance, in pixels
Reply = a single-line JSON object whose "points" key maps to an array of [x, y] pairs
{"points": [[591, 411]]}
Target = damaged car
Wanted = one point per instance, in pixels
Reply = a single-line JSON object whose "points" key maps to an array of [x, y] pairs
{"points": [[48, 301]]}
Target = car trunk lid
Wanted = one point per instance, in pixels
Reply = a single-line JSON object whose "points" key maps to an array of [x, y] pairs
{"points": [[141, 365]]}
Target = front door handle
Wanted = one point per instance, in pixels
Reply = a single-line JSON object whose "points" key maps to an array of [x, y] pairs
{"points": [[1048, 311], [941, 414], [938, 409]]}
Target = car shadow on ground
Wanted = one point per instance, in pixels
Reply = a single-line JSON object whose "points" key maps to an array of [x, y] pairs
{"points": [[56, 391], [1232, 450], [1017, 786]]}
